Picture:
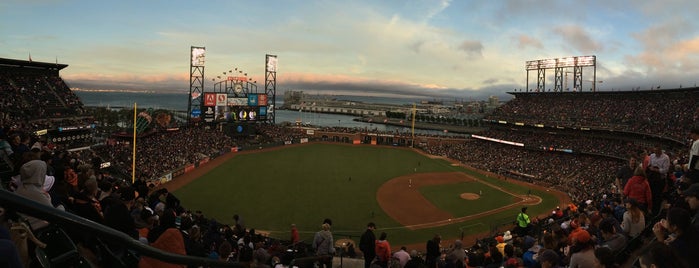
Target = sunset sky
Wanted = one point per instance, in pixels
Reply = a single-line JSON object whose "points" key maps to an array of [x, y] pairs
{"points": [[391, 48]]}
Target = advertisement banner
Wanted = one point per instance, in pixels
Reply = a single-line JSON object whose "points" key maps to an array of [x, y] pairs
{"points": [[209, 99], [262, 99], [237, 101], [221, 99], [165, 178], [209, 114], [178, 172], [287, 142], [304, 140], [188, 168], [203, 161], [252, 100], [234, 149], [245, 113]]}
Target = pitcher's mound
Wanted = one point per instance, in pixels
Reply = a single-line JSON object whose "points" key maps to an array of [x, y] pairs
{"points": [[469, 196]]}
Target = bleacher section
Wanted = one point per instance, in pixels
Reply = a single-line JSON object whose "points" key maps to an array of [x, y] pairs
{"points": [[661, 113], [35, 91]]}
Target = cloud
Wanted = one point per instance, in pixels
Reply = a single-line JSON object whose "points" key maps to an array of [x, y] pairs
{"points": [[472, 47], [578, 38], [415, 46], [667, 49], [491, 81], [433, 11], [524, 41]]}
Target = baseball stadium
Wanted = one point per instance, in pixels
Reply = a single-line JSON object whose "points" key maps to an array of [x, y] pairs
{"points": [[538, 180]]}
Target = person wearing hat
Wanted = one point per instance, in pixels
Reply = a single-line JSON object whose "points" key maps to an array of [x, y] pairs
{"points": [[691, 195], [367, 244], [585, 254], [529, 258], [501, 244]]}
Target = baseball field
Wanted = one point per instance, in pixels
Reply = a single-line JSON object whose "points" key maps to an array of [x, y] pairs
{"points": [[409, 195]]}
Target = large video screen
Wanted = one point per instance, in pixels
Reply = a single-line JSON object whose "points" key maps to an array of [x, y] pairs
{"points": [[198, 55]]}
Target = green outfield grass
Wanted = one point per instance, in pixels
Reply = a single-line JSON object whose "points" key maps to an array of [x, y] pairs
{"points": [[446, 197], [305, 184]]}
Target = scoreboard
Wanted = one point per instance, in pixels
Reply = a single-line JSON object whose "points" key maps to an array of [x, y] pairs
{"points": [[220, 107]]}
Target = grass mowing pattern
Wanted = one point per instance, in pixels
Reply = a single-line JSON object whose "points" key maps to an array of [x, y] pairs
{"points": [[305, 184]]}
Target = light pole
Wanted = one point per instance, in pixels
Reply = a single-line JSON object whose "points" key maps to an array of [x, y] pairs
{"points": [[338, 122]]}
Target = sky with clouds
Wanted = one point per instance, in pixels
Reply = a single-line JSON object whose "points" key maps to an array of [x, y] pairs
{"points": [[417, 48]]}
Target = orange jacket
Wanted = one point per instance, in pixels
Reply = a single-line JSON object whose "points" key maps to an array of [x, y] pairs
{"points": [[171, 241], [383, 250]]}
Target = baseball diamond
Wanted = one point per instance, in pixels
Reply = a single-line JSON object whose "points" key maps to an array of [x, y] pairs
{"points": [[353, 184]]}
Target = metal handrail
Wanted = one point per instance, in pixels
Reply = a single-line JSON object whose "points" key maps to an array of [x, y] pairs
{"points": [[56, 216]]}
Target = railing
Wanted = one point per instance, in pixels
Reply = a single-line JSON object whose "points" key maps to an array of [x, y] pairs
{"points": [[58, 217]]}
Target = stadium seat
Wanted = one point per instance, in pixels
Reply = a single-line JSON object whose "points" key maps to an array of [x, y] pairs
{"points": [[60, 250]]}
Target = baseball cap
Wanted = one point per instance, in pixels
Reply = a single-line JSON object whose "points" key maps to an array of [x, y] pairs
{"points": [[582, 236]]}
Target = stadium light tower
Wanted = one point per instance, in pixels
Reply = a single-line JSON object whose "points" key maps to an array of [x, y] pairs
{"points": [[196, 83], [560, 65], [271, 85]]}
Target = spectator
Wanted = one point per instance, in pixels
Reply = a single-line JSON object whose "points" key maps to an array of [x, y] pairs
{"points": [[33, 176], [549, 259], [433, 252], [402, 256], [610, 238], [166, 237], [625, 173], [523, 223], [584, 255], [117, 214], [677, 232], [604, 258], [415, 261], [324, 246], [383, 251], [456, 256], [693, 165], [638, 188], [659, 254], [294, 234], [367, 244], [657, 176], [634, 222], [691, 196]]}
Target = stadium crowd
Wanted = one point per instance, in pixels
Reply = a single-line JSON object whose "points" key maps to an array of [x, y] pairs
{"points": [[595, 230], [582, 177], [589, 144], [659, 113]]}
